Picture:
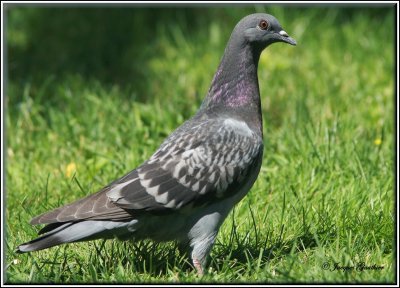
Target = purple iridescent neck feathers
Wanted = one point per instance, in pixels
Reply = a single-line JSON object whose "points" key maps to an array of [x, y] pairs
{"points": [[235, 83], [234, 89]]}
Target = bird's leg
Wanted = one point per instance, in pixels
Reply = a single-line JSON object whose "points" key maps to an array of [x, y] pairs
{"points": [[198, 266], [184, 250], [200, 250]]}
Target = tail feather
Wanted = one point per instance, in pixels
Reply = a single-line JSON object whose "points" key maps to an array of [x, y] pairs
{"points": [[68, 233]]}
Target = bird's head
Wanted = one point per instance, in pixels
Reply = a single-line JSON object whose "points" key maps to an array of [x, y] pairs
{"points": [[260, 30]]}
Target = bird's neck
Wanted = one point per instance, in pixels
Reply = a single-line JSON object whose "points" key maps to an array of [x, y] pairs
{"points": [[234, 88]]}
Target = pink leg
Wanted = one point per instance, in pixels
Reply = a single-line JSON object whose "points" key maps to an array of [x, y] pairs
{"points": [[198, 267]]}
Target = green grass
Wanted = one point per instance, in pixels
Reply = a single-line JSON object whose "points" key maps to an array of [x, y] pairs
{"points": [[325, 193]]}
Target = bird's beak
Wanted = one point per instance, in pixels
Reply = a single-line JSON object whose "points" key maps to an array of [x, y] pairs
{"points": [[286, 38]]}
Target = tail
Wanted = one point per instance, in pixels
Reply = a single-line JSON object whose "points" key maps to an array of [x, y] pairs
{"points": [[70, 232]]}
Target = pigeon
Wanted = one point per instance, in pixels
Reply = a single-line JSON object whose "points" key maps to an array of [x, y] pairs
{"points": [[186, 189]]}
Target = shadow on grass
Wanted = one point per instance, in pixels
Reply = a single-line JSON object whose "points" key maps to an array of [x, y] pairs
{"points": [[163, 259], [257, 255]]}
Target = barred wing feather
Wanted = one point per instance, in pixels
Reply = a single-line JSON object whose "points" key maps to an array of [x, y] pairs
{"points": [[194, 165]]}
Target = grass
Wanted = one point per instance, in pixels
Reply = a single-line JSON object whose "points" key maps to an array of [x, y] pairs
{"points": [[325, 193]]}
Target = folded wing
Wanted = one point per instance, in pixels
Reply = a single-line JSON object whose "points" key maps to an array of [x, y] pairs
{"points": [[195, 165]]}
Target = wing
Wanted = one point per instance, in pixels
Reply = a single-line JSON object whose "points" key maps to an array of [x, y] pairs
{"points": [[195, 164], [192, 167], [95, 207]]}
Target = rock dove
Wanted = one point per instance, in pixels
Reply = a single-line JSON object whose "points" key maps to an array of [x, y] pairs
{"points": [[188, 186]]}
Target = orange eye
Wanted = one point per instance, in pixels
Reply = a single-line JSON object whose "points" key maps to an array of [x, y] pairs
{"points": [[263, 25]]}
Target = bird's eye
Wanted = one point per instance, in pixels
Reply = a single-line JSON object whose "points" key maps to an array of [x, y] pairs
{"points": [[263, 25]]}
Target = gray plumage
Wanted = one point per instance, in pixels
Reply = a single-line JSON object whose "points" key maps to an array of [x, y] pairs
{"points": [[190, 184]]}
